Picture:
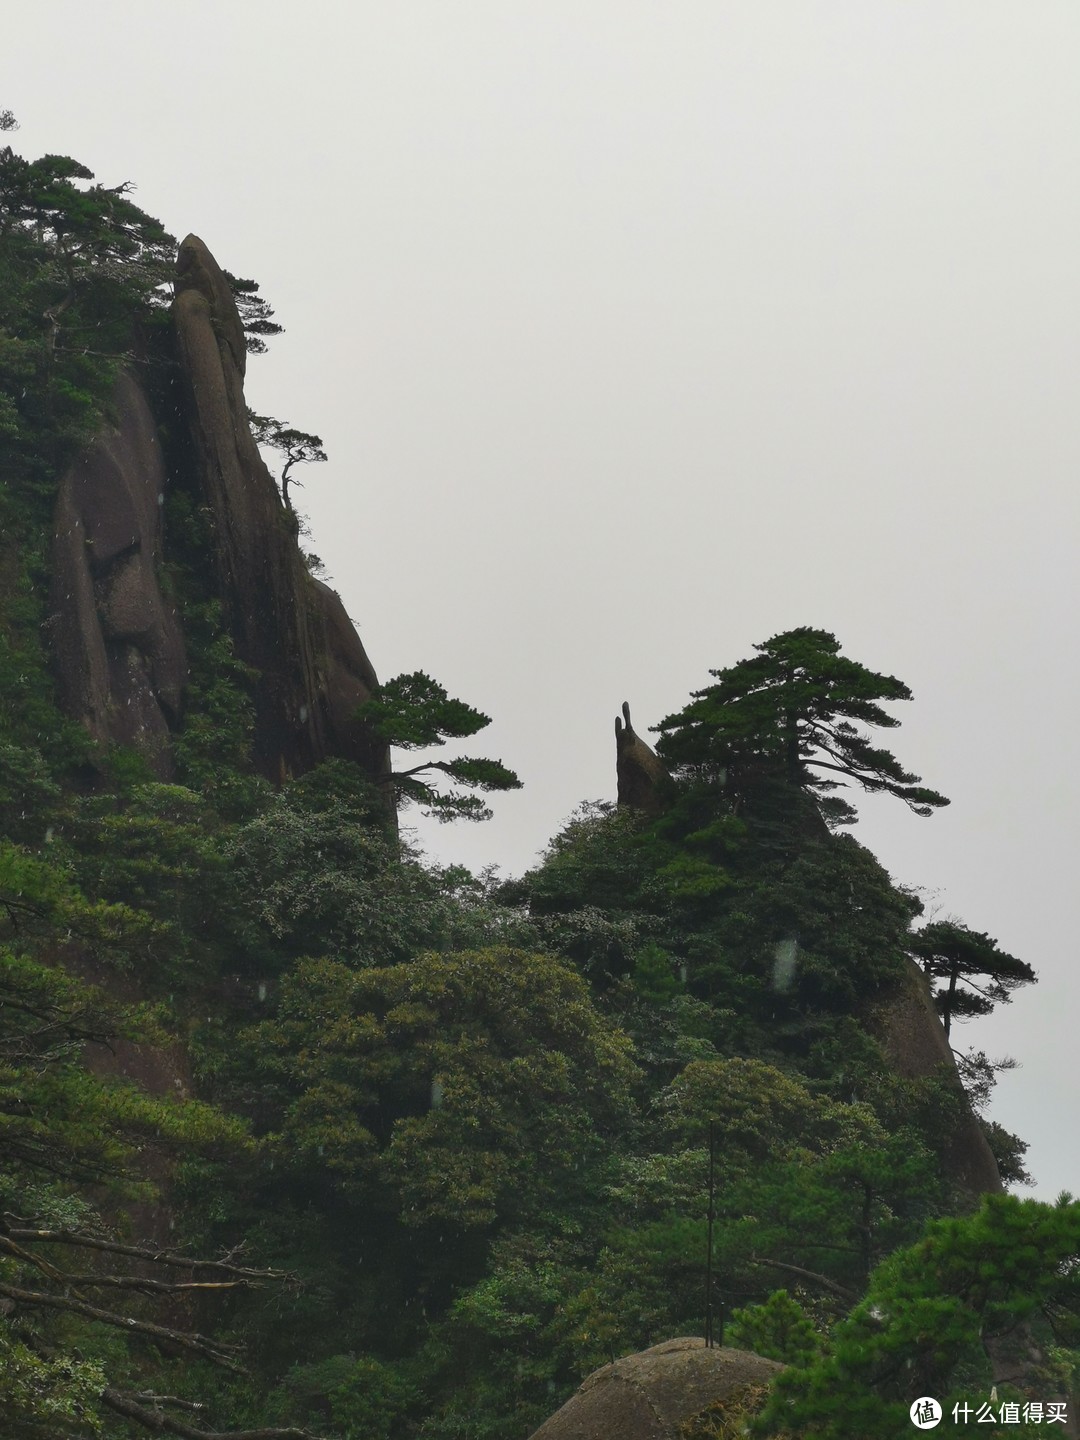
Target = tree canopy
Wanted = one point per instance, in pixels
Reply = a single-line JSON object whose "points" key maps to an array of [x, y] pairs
{"points": [[795, 709], [82, 269], [256, 313], [951, 953], [414, 712], [296, 446], [83, 1308], [934, 1322]]}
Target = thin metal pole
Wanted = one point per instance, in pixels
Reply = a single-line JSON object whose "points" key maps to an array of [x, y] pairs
{"points": [[708, 1259]]}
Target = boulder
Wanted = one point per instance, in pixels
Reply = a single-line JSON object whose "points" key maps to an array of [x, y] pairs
{"points": [[660, 1392]]}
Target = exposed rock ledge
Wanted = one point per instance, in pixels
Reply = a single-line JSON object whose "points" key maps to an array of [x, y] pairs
{"points": [[117, 641]]}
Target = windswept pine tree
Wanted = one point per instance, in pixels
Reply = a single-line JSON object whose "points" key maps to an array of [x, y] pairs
{"points": [[797, 707]]}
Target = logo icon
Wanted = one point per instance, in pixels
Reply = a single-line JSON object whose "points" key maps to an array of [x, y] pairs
{"points": [[925, 1413]]}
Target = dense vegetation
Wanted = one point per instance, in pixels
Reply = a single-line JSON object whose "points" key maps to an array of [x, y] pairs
{"points": [[450, 1145]]}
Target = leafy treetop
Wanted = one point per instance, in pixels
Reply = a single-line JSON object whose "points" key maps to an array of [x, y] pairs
{"points": [[950, 952], [297, 446], [84, 273], [255, 312], [412, 712], [795, 707], [934, 1321], [87, 228]]}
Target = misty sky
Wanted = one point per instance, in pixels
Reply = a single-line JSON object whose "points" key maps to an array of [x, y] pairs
{"points": [[639, 332]]}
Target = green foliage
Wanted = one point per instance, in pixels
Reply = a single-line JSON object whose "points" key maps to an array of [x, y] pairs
{"points": [[78, 1143], [256, 313], [953, 954], [412, 712], [158, 851], [29, 796], [794, 708], [462, 1089], [213, 747], [772, 931], [779, 1329], [794, 1168], [603, 859], [81, 268], [513, 1346], [41, 746], [755, 1104], [847, 920], [474, 1120], [318, 871], [929, 1312], [654, 975], [359, 1397], [296, 447], [58, 1119], [1009, 1151], [44, 1398], [368, 1401]]}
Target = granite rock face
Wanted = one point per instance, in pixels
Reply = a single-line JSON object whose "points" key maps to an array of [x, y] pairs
{"points": [[116, 639], [913, 1038], [312, 668], [655, 1394], [642, 776]]}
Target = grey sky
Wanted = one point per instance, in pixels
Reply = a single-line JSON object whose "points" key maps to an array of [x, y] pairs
{"points": [[639, 332]]}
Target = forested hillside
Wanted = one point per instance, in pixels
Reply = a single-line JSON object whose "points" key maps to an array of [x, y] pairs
{"points": [[303, 1136]]}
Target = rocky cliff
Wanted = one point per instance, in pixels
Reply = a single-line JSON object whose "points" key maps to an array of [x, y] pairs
{"points": [[117, 639], [916, 1045]]}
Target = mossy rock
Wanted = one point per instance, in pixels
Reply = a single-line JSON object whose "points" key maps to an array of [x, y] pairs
{"points": [[675, 1391]]}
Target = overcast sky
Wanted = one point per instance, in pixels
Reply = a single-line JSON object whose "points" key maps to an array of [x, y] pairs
{"points": [[639, 332]]}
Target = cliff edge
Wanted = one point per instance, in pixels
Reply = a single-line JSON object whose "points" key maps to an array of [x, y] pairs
{"points": [[116, 637]]}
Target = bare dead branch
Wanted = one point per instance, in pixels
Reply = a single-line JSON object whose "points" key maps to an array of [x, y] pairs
{"points": [[157, 1420], [840, 1290], [177, 1401], [220, 1353], [37, 1261], [138, 1252], [154, 1287]]}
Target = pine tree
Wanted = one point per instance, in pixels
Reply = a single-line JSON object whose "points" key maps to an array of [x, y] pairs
{"points": [[793, 710], [951, 953]]}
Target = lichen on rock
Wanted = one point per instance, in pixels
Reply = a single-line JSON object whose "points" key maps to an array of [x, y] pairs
{"points": [[662, 1392]]}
